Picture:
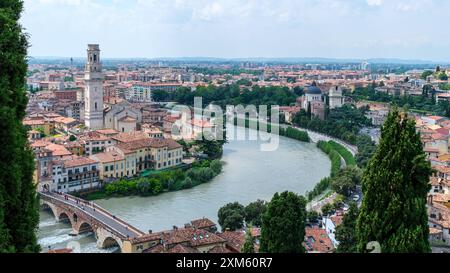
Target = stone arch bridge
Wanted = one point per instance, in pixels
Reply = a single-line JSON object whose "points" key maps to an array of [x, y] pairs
{"points": [[86, 216]]}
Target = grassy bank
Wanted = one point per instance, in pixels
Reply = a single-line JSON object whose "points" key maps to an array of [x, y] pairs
{"points": [[160, 182], [334, 151], [346, 154]]}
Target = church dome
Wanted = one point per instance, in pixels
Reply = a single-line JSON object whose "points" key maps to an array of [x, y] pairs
{"points": [[313, 90]]}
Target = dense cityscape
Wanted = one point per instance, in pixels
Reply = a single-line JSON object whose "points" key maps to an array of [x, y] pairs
{"points": [[176, 155]]}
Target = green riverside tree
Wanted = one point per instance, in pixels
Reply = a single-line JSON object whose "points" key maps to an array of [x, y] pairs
{"points": [[345, 232], [395, 187], [231, 216], [19, 215], [283, 224]]}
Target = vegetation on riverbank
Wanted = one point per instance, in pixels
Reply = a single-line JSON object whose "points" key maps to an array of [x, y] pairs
{"points": [[344, 152], [343, 123], [341, 180], [231, 95], [334, 156], [289, 132], [164, 181]]}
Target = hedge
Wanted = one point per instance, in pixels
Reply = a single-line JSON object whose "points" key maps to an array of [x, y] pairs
{"points": [[332, 154], [346, 154]]}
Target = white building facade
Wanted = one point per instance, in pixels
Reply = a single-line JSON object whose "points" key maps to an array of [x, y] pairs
{"points": [[93, 99]]}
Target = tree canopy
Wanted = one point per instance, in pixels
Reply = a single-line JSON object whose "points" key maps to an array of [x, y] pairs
{"points": [[283, 224], [19, 215], [395, 186]]}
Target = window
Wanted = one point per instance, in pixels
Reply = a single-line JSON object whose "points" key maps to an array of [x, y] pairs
{"points": [[96, 106]]}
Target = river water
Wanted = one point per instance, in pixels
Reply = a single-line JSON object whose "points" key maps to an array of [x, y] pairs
{"points": [[248, 174]]}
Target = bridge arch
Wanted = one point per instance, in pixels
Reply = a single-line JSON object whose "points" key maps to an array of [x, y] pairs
{"points": [[50, 208], [84, 227], [64, 217], [111, 242]]}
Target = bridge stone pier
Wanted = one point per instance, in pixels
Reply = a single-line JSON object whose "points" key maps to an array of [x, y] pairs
{"points": [[86, 216]]}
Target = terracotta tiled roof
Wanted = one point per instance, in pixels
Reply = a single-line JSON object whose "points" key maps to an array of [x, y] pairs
{"points": [[235, 239], [79, 161], [58, 150], [147, 238], [196, 237], [107, 157], [317, 240], [130, 137], [202, 223], [150, 143], [182, 249], [219, 249]]}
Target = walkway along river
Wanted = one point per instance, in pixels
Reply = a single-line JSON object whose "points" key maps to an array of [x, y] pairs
{"points": [[248, 174]]}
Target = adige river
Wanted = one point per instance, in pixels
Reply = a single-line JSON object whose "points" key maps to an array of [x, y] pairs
{"points": [[248, 174]]}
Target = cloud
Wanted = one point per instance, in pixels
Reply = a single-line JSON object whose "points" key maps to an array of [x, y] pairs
{"points": [[239, 28], [374, 2]]}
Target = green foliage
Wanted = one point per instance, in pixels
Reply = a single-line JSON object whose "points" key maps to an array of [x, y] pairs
{"points": [[72, 138], [216, 166], [425, 74], [366, 148], [41, 131], [231, 216], [395, 186], [320, 187], [19, 217], [425, 103], [313, 217], [294, 134], [254, 212], [442, 76], [346, 232], [346, 180], [170, 180], [212, 148], [343, 123], [346, 154], [333, 155], [249, 245], [283, 225], [327, 209], [229, 95]]}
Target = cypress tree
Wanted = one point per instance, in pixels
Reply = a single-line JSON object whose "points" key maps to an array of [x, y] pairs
{"points": [[395, 187], [283, 224], [19, 215], [249, 245]]}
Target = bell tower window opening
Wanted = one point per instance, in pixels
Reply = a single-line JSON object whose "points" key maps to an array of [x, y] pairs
{"points": [[96, 106]]}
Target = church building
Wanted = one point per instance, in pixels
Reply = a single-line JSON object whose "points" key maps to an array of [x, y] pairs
{"points": [[121, 117]]}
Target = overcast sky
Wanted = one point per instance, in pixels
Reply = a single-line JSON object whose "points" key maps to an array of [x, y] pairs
{"points": [[408, 29]]}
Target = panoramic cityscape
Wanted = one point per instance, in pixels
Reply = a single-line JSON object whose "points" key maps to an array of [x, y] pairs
{"points": [[191, 133]]}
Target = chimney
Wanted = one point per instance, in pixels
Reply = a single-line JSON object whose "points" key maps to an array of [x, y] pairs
{"points": [[150, 231]]}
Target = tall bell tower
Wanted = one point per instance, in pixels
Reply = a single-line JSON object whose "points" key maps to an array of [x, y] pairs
{"points": [[93, 97]]}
